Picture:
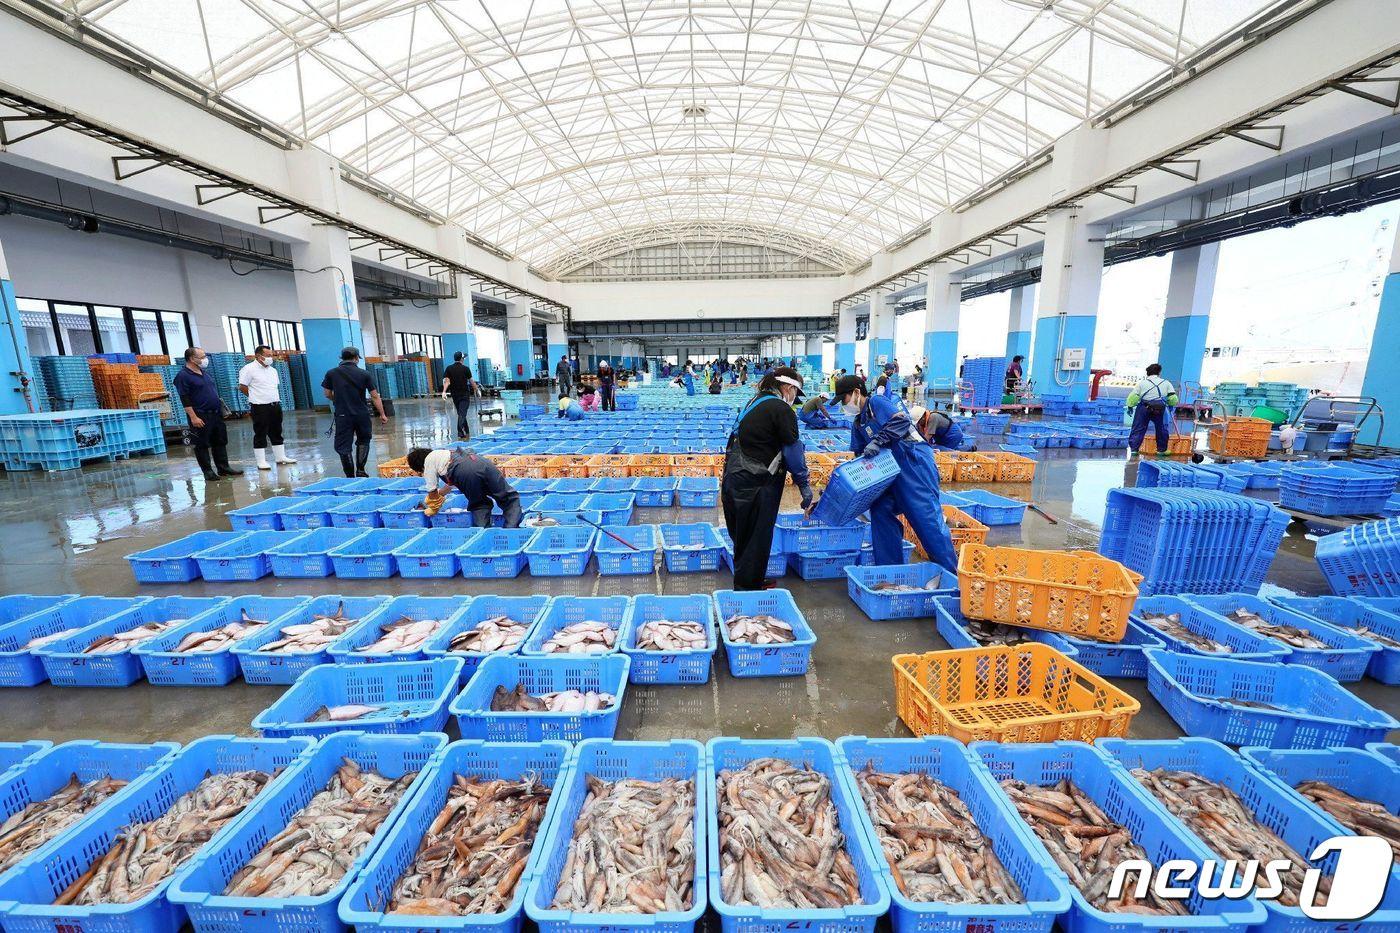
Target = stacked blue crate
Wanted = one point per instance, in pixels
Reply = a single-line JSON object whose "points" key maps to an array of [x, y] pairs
{"points": [[413, 378], [986, 375], [224, 367], [38, 387], [68, 380], [284, 385], [301, 380], [386, 379], [178, 418], [1333, 489]]}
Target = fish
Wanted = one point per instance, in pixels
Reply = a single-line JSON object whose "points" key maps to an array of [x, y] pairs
{"points": [[888, 586], [1358, 814], [931, 841], [994, 633], [759, 630], [312, 854], [498, 633], [519, 700], [632, 849], [1370, 633], [1085, 844], [538, 521], [218, 639], [1171, 624], [41, 820], [473, 853], [346, 713], [586, 637], [1215, 813], [665, 635], [45, 639], [1292, 635], [403, 634], [144, 855], [311, 637], [780, 839], [125, 641]]}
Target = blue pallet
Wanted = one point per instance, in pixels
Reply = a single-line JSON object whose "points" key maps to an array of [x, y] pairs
{"points": [[746, 660], [564, 611], [1126, 803], [309, 512], [1345, 660], [853, 486], [1044, 889], [952, 627], [1317, 712], [198, 889], [243, 559], [175, 562], [308, 556], [883, 606], [990, 508], [669, 667], [21, 666], [371, 555], [368, 896], [261, 516], [615, 558], [67, 666], [525, 609], [614, 508], [691, 548], [433, 553], [698, 492], [605, 674], [794, 533], [1245, 645], [727, 754], [561, 551], [606, 760], [163, 666], [348, 648], [29, 890], [411, 697], [497, 553], [260, 667]]}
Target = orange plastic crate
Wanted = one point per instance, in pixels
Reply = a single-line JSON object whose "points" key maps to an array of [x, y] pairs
{"points": [[395, 469], [1019, 693], [974, 468], [947, 465], [1012, 468], [525, 466], [1073, 592], [962, 528], [697, 465], [613, 465], [651, 464], [1240, 437], [819, 467], [564, 466], [1178, 445]]}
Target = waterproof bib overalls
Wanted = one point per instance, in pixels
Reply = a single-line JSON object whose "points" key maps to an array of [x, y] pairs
{"points": [[481, 483], [751, 493]]}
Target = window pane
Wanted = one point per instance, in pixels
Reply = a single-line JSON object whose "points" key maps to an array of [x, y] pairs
{"points": [[176, 341], [111, 326], [147, 325], [77, 329], [38, 327]]}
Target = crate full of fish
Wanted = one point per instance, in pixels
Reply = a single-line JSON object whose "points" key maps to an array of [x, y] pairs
{"points": [[394, 697], [1378, 621], [1235, 811], [961, 632], [690, 548], [397, 631], [432, 554], [487, 625], [244, 558], [496, 553], [1073, 784], [904, 591], [756, 788], [307, 556], [273, 870], [209, 784], [101, 655], [638, 796], [670, 639], [1008, 693], [1188, 628], [579, 625], [1310, 641], [985, 871], [54, 620], [1071, 592], [561, 550], [627, 549], [199, 652], [512, 698], [300, 640], [764, 633], [419, 880], [1248, 703], [175, 561]]}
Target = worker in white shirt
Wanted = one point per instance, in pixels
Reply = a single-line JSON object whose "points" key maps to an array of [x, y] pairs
{"points": [[475, 477], [258, 381], [1150, 402]]}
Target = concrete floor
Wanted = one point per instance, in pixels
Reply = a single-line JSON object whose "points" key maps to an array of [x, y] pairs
{"points": [[71, 531]]}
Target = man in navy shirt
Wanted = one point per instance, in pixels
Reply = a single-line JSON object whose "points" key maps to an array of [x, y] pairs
{"points": [[200, 398], [346, 387]]}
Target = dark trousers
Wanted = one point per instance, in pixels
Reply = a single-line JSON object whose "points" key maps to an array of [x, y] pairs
{"points": [[352, 429], [464, 428], [608, 397], [750, 504], [267, 425], [213, 435], [1155, 414]]}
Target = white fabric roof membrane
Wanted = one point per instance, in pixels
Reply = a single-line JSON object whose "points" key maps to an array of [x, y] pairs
{"points": [[569, 130]]}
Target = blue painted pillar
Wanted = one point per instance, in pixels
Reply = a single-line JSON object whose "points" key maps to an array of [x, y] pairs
{"points": [[1018, 326], [942, 314], [880, 337], [1072, 271], [1190, 291], [557, 343], [1382, 380], [814, 352], [520, 355], [458, 325], [330, 314], [16, 398], [846, 339]]}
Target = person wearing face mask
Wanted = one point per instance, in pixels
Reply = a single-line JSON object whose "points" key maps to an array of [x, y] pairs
{"points": [[258, 380], [763, 448], [883, 423], [200, 397]]}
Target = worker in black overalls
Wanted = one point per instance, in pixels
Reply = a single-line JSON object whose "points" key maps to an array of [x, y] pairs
{"points": [[763, 447], [346, 386], [475, 477]]}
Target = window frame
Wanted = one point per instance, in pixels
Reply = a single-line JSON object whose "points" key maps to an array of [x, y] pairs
{"points": [[127, 319]]}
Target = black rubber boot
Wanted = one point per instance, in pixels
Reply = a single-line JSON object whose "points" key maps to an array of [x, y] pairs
{"points": [[361, 458], [347, 465], [221, 462], [201, 454]]}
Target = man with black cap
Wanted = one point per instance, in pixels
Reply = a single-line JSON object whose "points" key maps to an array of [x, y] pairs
{"points": [[346, 387], [457, 382]]}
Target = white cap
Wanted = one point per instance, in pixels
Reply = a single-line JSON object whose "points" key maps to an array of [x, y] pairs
{"points": [[917, 413]]}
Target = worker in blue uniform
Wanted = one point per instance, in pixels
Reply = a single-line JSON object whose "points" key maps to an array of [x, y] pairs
{"points": [[570, 409], [883, 423], [814, 413], [936, 428], [688, 378]]}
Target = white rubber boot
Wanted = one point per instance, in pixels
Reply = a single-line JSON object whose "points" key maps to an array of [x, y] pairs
{"points": [[279, 454], [260, 455]]}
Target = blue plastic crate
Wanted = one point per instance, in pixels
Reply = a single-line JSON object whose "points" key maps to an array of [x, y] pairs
{"points": [[14, 756], [263, 667], [244, 558], [698, 492], [261, 516], [21, 666], [175, 562], [615, 558], [604, 759], [614, 508], [669, 667], [163, 666], [404, 512], [349, 648], [822, 565], [1314, 710], [1345, 660], [361, 511], [15, 606], [308, 512], [497, 553], [793, 534], [985, 423], [777, 559], [1117, 659], [433, 553], [562, 501], [198, 889], [1126, 803], [527, 610], [1244, 644], [1334, 620], [990, 508], [560, 551], [1383, 618], [1043, 887], [607, 484], [853, 486], [882, 606], [570, 484], [867, 554], [952, 627], [605, 674], [564, 611], [371, 555], [365, 901], [411, 697], [66, 664], [308, 556], [30, 889], [746, 660], [691, 548], [726, 754]]}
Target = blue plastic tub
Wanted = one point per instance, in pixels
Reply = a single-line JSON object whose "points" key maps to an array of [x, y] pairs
{"points": [[990, 508], [360, 511], [308, 556], [28, 891], [1334, 620], [364, 903], [261, 667], [348, 648], [560, 551], [242, 559], [569, 484], [952, 626], [564, 611], [15, 606], [21, 666], [746, 660], [162, 665], [433, 553], [692, 548], [669, 667], [412, 697], [309, 512], [16, 755], [562, 501], [883, 606], [405, 512], [1117, 659], [67, 665], [605, 674], [261, 516], [371, 555], [605, 484], [793, 534], [198, 888], [330, 486], [1043, 887], [616, 558], [821, 565], [1383, 618], [525, 609], [615, 508], [777, 559], [1346, 660], [175, 562], [726, 754], [853, 486], [496, 553], [656, 491], [1244, 644], [678, 759], [698, 492], [1316, 711], [1128, 804]]}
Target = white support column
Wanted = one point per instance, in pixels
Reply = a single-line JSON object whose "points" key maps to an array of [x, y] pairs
{"points": [[942, 311], [846, 339], [1020, 318], [459, 324], [557, 342], [880, 337], [814, 352], [16, 396], [1190, 291], [382, 313], [1072, 271]]}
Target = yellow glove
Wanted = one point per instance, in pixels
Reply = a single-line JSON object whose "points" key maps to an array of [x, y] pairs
{"points": [[433, 502]]}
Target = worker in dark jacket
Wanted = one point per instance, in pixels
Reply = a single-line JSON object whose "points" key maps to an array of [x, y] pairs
{"points": [[564, 375], [346, 387], [200, 398], [475, 477]]}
